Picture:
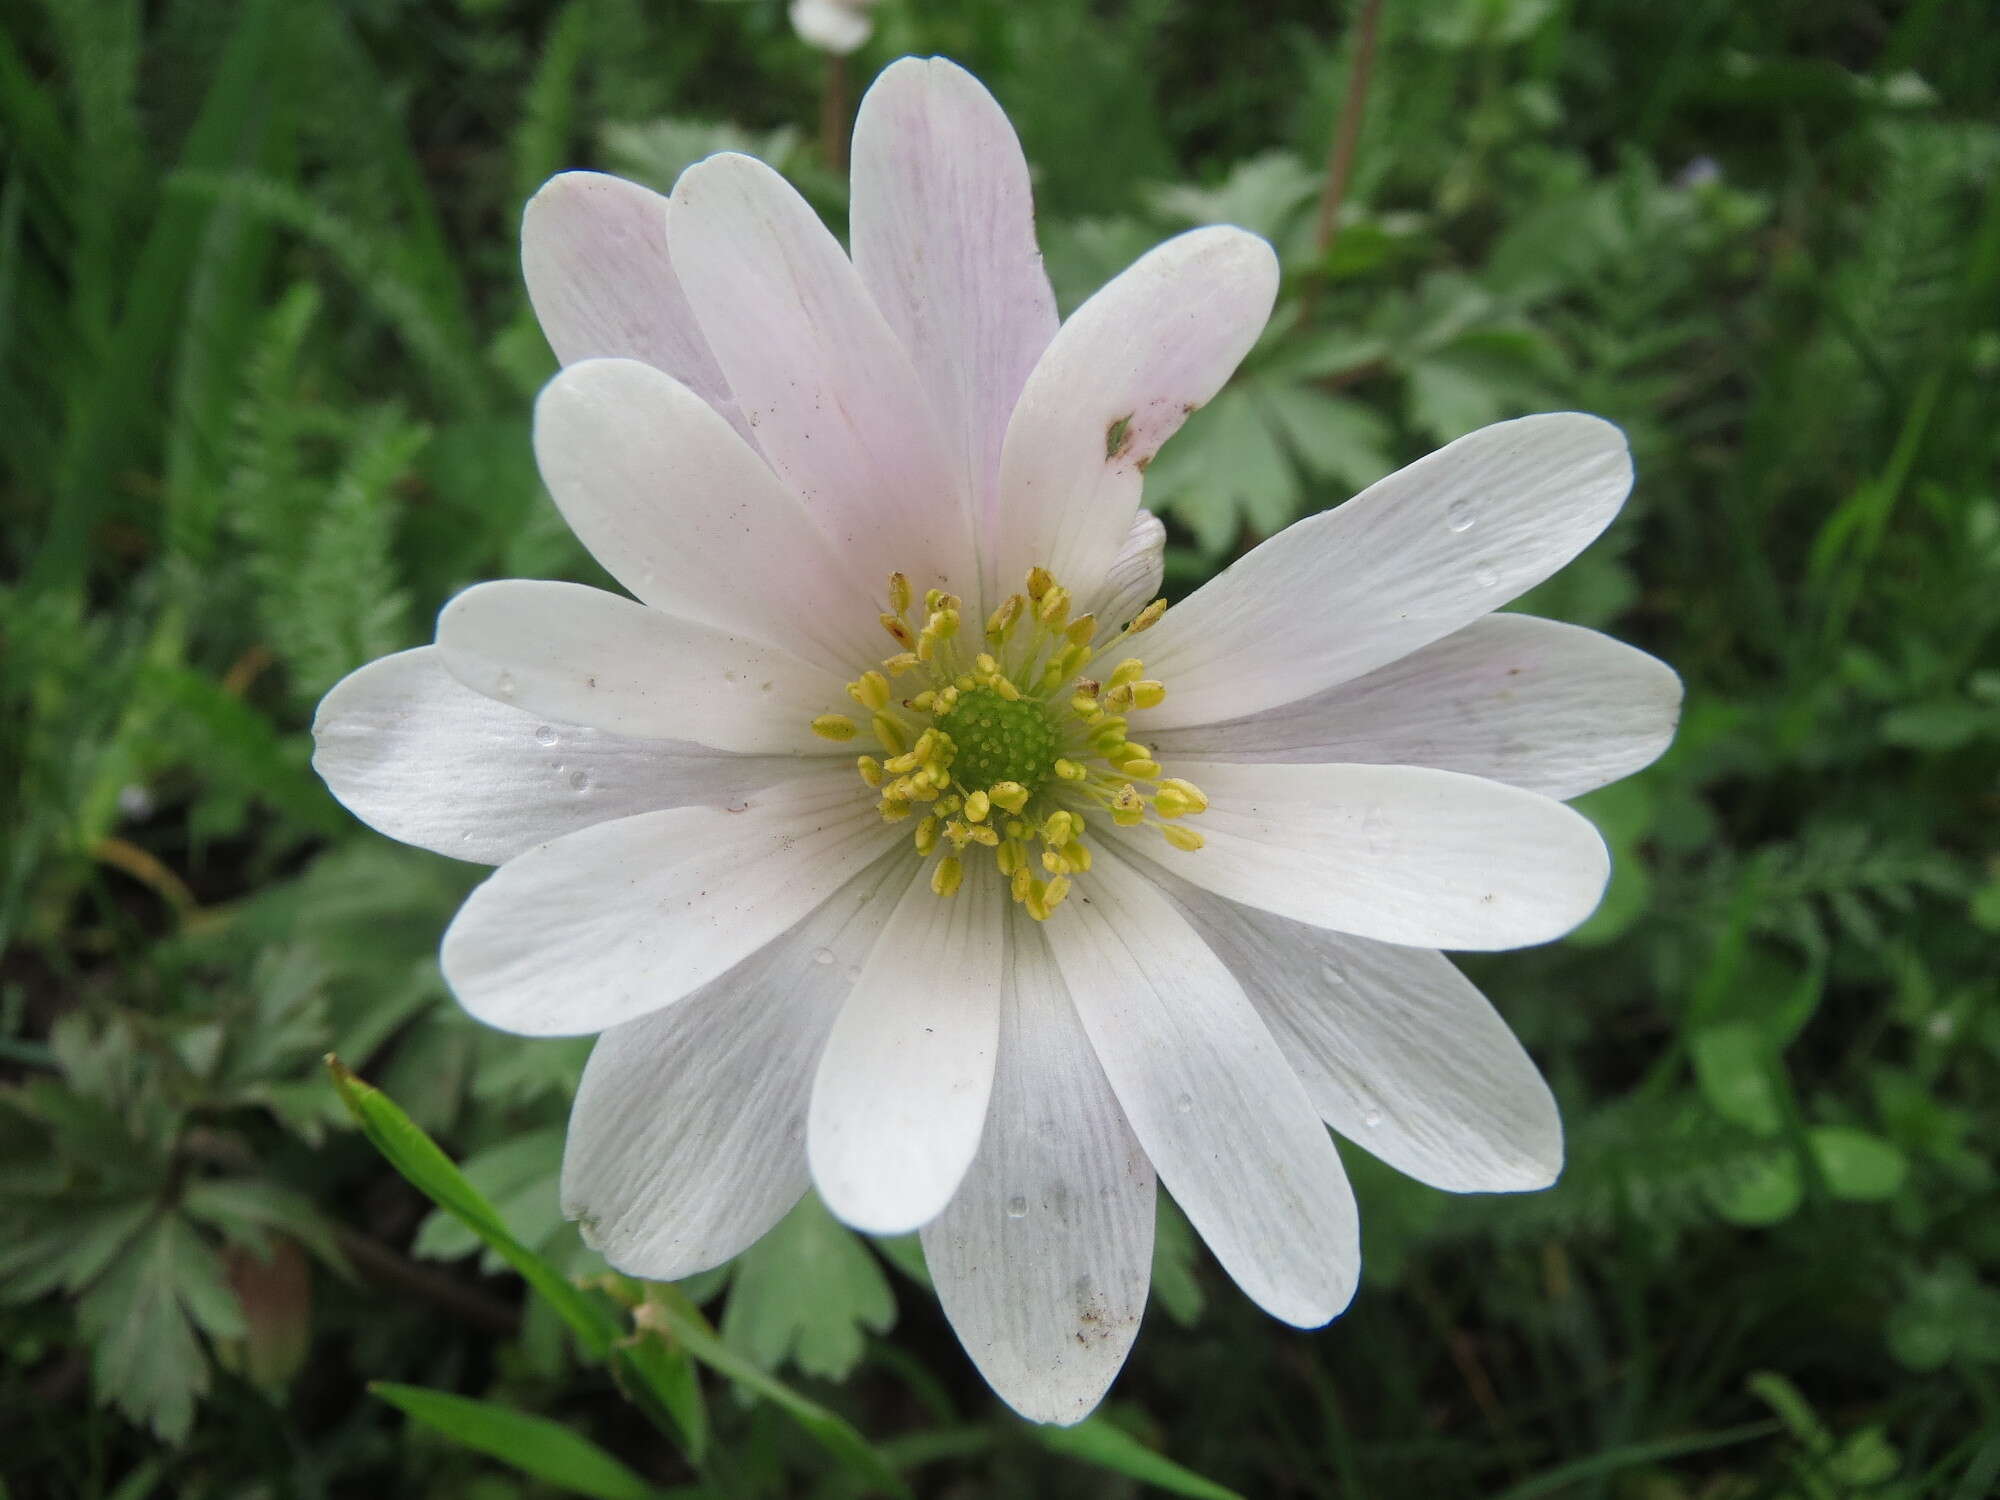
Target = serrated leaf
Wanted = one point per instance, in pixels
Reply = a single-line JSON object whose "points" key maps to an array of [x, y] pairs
{"points": [[534, 1445], [808, 1292]]}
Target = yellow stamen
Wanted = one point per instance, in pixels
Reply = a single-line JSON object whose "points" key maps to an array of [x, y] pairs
{"points": [[946, 877], [870, 769], [1181, 837], [834, 727]]}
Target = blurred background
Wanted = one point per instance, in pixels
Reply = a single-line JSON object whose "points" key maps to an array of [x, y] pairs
{"points": [[266, 368]]}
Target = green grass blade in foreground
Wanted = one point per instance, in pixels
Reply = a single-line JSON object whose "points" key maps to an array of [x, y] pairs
{"points": [[534, 1445], [1096, 1441], [668, 1311], [417, 1157], [1631, 1455], [660, 1379]]}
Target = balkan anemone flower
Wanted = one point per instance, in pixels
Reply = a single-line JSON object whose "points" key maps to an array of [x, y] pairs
{"points": [[899, 841]]}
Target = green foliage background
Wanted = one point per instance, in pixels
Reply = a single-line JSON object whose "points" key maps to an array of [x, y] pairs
{"points": [[266, 366]]}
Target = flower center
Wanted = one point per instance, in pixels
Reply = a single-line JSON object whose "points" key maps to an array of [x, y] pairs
{"points": [[1011, 746]]}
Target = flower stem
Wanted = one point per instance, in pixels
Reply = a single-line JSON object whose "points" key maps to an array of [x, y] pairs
{"points": [[1340, 152], [833, 113]]}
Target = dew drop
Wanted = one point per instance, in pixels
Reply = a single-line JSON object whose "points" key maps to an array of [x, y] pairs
{"points": [[1460, 517], [1485, 576], [1332, 974], [1017, 1207], [1372, 1119], [823, 956], [505, 683], [545, 736], [579, 781], [1184, 1103]]}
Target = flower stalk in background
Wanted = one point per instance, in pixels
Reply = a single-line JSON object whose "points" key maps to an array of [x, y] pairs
{"points": [[898, 840]]}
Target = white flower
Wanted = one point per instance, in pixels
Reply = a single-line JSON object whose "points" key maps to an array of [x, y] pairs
{"points": [[837, 26], [808, 968]]}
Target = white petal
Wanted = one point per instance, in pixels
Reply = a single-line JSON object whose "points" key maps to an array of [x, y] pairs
{"points": [[1554, 708], [1043, 1259], [587, 657], [1117, 381], [1134, 579], [903, 1084], [837, 26], [684, 513], [1407, 561], [594, 253], [943, 229], [827, 387], [1227, 1124], [688, 1137], [1399, 1051], [1402, 854], [415, 754], [623, 918]]}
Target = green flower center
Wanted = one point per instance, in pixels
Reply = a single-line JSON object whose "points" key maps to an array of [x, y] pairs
{"points": [[1000, 741]]}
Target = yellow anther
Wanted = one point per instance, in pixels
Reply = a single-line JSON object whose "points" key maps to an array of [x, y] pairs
{"points": [[898, 631], [1129, 670], [977, 806], [946, 806], [1002, 619], [895, 812], [1183, 797], [1052, 608], [924, 703], [1056, 890], [1036, 899], [899, 592], [1010, 795], [1011, 856], [1084, 700], [987, 663], [1040, 581], [1020, 883], [870, 769], [900, 663], [1127, 751], [1054, 863], [934, 599], [888, 734], [927, 835], [1078, 854], [1128, 808], [1016, 829], [1070, 770], [1182, 837], [902, 765], [946, 697], [1006, 689], [958, 833], [1081, 629], [943, 623], [834, 727], [984, 834], [870, 690], [1148, 693], [1141, 770], [1148, 617], [946, 877], [1059, 829], [1120, 695]]}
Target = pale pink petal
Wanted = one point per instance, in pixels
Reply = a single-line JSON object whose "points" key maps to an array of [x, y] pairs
{"points": [[1227, 1124], [621, 919], [688, 1138], [1117, 381], [594, 253], [1044, 1257], [943, 229], [584, 656], [1402, 854], [1554, 708], [415, 754], [901, 1093], [1134, 579], [684, 513], [1399, 1051], [1410, 559], [826, 386]]}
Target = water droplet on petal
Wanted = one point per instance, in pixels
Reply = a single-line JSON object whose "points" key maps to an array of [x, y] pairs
{"points": [[1332, 973], [823, 956], [1017, 1207], [505, 683], [1372, 1119], [1460, 517], [545, 735], [579, 781], [1184, 1103], [1485, 576]]}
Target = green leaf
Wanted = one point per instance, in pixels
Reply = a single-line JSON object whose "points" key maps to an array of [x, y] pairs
{"points": [[1764, 1189], [808, 1291], [668, 1311], [532, 1444], [1735, 1067], [1857, 1166], [433, 1174], [1175, 1254], [1095, 1441], [661, 1380]]}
